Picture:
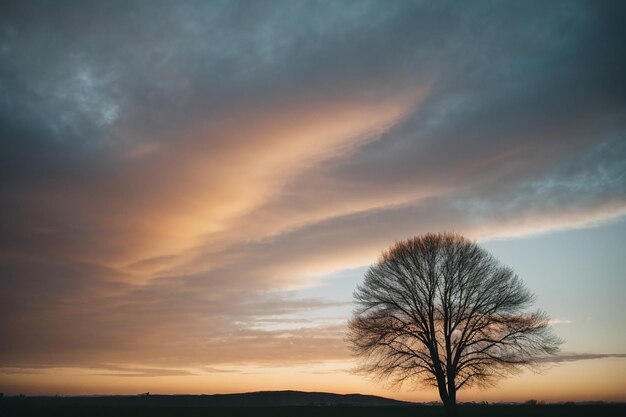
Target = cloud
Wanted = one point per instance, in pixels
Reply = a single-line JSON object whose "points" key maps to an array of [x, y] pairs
{"points": [[570, 357], [559, 321], [87, 319], [170, 174]]}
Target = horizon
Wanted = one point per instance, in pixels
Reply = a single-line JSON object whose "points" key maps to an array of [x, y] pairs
{"points": [[159, 394], [191, 191]]}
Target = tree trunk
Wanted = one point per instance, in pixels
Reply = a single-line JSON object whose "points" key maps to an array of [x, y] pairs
{"points": [[449, 404], [451, 409], [448, 398]]}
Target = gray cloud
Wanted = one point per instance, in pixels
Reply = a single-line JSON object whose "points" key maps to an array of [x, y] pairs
{"points": [[583, 356]]}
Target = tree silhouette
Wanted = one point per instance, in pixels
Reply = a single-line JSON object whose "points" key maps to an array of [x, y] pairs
{"points": [[440, 310]]}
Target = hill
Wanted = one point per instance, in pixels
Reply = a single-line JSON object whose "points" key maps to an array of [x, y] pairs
{"points": [[249, 399], [277, 404]]}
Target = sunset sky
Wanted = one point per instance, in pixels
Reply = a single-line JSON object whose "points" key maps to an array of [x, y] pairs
{"points": [[191, 191]]}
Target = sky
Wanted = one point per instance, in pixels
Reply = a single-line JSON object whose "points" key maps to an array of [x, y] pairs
{"points": [[191, 191]]}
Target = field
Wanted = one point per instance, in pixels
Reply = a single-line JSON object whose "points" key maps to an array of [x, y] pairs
{"points": [[23, 407]]}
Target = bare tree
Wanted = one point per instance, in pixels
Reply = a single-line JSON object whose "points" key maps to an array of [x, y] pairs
{"points": [[440, 310]]}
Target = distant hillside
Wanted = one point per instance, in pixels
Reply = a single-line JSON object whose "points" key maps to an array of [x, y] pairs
{"points": [[295, 398], [250, 399]]}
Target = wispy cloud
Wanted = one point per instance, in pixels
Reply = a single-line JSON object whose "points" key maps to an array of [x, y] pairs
{"points": [[571, 357], [560, 321]]}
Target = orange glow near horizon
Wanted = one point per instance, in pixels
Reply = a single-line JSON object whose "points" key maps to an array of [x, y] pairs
{"points": [[604, 379]]}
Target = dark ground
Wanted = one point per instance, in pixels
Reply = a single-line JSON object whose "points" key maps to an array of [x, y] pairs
{"points": [[23, 407]]}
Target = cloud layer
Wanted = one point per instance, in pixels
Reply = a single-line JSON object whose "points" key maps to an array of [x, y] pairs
{"points": [[171, 172]]}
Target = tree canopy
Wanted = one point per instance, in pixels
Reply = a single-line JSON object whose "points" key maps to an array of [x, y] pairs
{"points": [[439, 310]]}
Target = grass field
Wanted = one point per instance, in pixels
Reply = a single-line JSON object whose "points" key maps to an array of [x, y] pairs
{"points": [[24, 408]]}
